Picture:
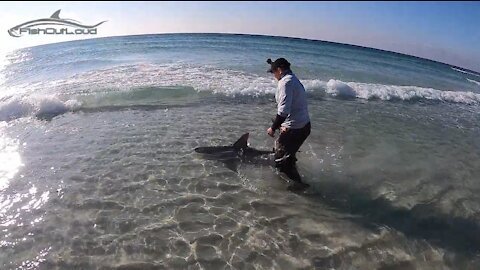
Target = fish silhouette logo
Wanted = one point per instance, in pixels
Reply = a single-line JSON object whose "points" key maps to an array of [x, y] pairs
{"points": [[57, 26]]}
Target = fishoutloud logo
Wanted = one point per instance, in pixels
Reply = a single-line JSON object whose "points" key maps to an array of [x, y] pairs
{"points": [[56, 25]]}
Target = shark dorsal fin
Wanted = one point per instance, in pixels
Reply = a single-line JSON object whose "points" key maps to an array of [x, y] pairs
{"points": [[242, 142], [56, 15]]}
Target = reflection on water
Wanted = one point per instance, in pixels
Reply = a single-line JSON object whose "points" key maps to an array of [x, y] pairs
{"points": [[21, 205], [10, 160]]}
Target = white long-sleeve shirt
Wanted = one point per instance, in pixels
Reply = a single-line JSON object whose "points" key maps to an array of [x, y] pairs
{"points": [[292, 102]]}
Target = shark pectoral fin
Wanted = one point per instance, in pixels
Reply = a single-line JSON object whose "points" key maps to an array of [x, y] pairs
{"points": [[242, 142], [232, 165], [56, 14]]}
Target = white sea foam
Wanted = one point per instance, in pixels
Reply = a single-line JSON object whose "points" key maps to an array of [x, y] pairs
{"points": [[395, 92], [230, 82], [201, 78], [473, 81], [39, 106]]}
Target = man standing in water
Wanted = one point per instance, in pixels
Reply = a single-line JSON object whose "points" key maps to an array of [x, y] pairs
{"points": [[292, 118]]}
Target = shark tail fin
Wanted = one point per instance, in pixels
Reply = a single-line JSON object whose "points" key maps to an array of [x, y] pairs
{"points": [[56, 15], [242, 142]]}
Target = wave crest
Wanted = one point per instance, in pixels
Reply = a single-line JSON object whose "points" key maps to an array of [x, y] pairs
{"points": [[394, 92], [133, 85], [44, 107]]}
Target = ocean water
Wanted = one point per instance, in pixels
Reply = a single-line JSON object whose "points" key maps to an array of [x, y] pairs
{"points": [[97, 168]]}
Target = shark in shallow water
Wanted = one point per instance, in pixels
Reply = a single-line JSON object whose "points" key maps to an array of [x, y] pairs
{"points": [[233, 154]]}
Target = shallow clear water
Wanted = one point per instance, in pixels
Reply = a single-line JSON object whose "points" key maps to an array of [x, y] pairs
{"points": [[98, 170]]}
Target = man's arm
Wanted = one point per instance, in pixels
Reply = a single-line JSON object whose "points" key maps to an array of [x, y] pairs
{"points": [[284, 105], [278, 122]]}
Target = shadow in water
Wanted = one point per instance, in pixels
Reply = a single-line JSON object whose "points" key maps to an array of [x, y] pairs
{"points": [[457, 234]]}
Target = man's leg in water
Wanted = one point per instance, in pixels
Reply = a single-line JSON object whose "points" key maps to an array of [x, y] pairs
{"points": [[287, 146], [283, 153]]}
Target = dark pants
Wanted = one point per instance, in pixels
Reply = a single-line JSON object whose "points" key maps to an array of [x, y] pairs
{"points": [[286, 147]]}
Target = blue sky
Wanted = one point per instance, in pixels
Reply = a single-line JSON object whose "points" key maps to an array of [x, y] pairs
{"points": [[443, 31]]}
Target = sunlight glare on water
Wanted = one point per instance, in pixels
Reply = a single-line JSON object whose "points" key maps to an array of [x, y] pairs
{"points": [[10, 160]]}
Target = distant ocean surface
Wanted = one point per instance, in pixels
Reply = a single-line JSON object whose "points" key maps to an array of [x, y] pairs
{"points": [[97, 168]]}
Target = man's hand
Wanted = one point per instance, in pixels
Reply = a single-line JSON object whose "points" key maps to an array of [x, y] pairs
{"points": [[271, 132]]}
